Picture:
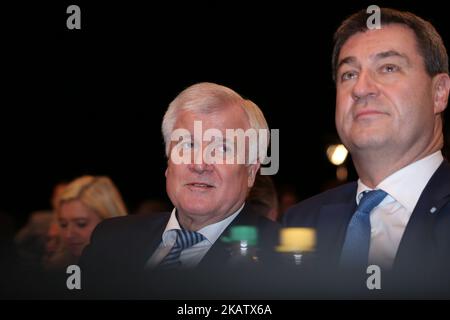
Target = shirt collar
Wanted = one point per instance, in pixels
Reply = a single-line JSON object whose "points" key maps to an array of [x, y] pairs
{"points": [[406, 185], [211, 232]]}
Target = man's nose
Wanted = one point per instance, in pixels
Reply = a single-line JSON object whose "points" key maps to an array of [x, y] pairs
{"points": [[199, 165], [365, 87]]}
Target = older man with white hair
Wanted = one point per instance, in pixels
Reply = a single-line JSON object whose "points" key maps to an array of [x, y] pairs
{"points": [[212, 136]]}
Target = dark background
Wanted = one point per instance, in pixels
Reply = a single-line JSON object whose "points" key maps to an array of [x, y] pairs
{"points": [[91, 101]]}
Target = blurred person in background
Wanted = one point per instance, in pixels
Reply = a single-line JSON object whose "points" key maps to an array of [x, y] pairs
{"points": [[263, 196], [82, 205], [56, 256], [30, 240], [152, 206]]}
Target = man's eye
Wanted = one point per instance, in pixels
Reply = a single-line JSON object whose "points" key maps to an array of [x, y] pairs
{"points": [[389, 68], [223, 148], [187, 145], [81, 224], [348, 75]]}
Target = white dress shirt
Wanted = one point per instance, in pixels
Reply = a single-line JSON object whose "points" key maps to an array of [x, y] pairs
{"points": [[389, 219], [189, 257]]}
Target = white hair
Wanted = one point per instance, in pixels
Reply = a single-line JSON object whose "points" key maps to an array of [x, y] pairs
{"points": [[206, 97]]}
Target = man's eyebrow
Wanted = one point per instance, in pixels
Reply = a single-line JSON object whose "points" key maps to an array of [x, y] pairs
{"points": [[381, 55], [391, 53], [347, 60], [222, 139], [181, 138]]}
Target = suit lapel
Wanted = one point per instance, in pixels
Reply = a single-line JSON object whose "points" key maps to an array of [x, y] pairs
{"points": [[268, 236], [331, 227], [218, 253], [331, 222], [417, 242], [147, 239]]}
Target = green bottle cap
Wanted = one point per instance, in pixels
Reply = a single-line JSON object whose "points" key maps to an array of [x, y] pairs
{"points": [[243, 233]]}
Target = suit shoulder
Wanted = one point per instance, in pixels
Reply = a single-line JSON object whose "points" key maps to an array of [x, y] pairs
{"points": [[334, 195], [308, 208], [120, 233], [122, 226], [250, 215], [265, 223]]}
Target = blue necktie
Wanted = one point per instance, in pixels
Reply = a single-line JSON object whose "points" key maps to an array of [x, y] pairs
{"points": [[185, 239], [355, 252]]}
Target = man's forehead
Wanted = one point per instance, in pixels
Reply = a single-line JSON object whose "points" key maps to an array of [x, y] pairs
{"points": [[221, 119], [391, 37]]}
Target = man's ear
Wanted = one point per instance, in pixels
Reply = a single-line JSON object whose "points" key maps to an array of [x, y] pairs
{"points": [[441, 89], [252, 171]]}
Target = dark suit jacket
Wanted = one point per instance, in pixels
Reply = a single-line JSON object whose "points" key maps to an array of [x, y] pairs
{"points": [[120, 248], [424, 251]]}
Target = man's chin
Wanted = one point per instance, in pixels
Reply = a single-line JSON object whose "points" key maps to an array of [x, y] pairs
{"points": [[372, 139], [198, 211]]}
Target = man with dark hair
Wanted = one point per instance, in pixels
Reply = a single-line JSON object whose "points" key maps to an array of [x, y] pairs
{"points": [[392, 86]]}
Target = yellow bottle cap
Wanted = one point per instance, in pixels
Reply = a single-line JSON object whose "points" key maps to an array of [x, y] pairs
{"points": [[297, 240]]}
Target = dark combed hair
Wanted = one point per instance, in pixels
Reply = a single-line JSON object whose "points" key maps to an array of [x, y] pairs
{"points": [[429, 42]]}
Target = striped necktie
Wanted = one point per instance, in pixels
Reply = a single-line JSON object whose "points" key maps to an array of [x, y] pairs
{"points": [[185, 239]]}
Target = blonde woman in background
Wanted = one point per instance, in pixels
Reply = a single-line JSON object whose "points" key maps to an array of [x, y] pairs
{"points": [[84, 203]]}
